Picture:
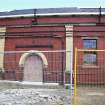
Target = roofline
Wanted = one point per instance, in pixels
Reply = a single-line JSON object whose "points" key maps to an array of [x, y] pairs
{"points": [[52, 14]]}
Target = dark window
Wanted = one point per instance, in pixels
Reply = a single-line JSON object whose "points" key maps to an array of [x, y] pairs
{"points": [[90, 57], [89, 43]]}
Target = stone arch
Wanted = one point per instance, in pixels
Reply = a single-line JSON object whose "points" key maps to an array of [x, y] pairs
{"points": [[33, 52]]}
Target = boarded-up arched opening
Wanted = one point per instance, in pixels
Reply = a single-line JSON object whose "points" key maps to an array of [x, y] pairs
{"points": [[33, 63]]}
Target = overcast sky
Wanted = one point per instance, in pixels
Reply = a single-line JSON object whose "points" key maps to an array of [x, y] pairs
{"points": [[7, 5]]}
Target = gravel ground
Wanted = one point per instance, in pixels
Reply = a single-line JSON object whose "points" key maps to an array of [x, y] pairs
{"points": [[34, 97], [22, 94], [91, 96]]}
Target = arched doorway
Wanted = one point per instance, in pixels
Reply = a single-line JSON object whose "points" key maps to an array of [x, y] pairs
{"points": [[33, 63], [33, 69]]}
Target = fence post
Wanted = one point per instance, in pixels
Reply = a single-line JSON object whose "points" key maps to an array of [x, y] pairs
{"points": [[62, 69], [75, 77]]}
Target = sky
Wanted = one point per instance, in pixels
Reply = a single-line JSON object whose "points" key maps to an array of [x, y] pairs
{"points": [[8, 5]]}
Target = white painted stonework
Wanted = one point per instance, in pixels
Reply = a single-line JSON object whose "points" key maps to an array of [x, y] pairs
{"points": [[69, 47], [2, 46], [24, 56]]}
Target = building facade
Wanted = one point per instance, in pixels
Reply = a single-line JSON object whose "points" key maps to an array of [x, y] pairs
{"points": [[28, 37]]}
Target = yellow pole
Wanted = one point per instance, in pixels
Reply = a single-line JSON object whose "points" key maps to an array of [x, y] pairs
{"points": [[75, 77]]}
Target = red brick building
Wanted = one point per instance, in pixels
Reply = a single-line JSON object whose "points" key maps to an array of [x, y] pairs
{"points": [[50, 29]]}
